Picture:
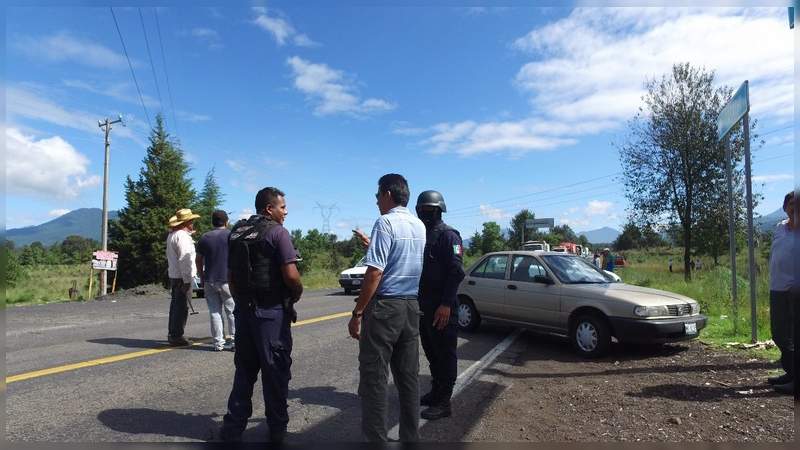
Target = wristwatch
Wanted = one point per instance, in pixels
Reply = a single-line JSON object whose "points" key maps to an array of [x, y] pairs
{"points": [[357, 314]]}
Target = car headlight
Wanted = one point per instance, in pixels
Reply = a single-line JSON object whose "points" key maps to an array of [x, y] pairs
{"points": [[695, 308], [651, 311]]}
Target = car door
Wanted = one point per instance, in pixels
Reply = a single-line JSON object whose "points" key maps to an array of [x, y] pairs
{"points": [[531, 301], [487, 284]]}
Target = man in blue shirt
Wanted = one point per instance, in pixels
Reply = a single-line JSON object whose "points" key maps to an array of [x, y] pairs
{"points": [[386, 317]]}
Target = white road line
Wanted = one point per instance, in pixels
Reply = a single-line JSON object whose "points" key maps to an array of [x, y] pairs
{"points": [[471, 373]]}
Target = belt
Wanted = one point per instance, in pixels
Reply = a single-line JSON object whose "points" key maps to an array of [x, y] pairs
{"points": [[396, 297]]}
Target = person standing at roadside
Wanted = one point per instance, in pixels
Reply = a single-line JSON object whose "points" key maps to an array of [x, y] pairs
{"points": [[608, 260], [265, 283], [212, 268], [784, 290], [386, 317], [670, 264], [181, 270], [442, 271]]}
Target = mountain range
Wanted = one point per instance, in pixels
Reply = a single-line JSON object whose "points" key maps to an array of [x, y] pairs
{"points": [[603, 235], [83, 222]]}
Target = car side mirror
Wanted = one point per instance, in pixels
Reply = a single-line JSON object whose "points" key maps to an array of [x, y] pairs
{"points": [[542, 279]]}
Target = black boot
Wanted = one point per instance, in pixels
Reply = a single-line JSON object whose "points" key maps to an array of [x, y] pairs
{"points": [[441, 407], [783, 379], [430, 398]]}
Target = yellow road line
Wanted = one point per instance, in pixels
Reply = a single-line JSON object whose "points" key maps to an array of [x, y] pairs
{"points": [[139, 354]]}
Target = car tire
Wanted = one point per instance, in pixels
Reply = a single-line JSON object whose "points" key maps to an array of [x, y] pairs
{"points": [[348, 291], [468, 317], [590, 335]]}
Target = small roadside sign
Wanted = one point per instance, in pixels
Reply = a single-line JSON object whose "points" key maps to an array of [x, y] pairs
{"points": [[104, 260], [733, 111], [540, 223]]}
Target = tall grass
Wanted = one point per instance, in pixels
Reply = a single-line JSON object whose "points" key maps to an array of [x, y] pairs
{"points": [[51, 283], [711, 287]]}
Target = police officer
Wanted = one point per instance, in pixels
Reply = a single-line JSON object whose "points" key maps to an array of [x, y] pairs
{"points": [[441, 274], [265, 283]]}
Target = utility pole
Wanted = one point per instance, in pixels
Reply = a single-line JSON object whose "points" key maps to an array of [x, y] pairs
{"points": [[106, 127]]}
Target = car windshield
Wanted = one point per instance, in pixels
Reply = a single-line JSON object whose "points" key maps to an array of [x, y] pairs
{"points": [[574, 270]]}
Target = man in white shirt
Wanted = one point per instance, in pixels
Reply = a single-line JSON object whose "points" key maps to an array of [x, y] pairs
{"points": [[181, 269]]}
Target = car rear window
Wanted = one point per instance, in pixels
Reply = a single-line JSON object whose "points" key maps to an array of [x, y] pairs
{"points": [[492, 267]]}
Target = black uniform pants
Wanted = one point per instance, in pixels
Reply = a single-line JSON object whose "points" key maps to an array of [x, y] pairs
{"points": [[263, 343], [439, 347]]}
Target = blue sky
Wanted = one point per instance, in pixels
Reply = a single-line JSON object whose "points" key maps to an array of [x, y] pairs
{"points": [[498, 108]]}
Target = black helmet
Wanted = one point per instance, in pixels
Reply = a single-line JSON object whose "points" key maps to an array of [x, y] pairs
{"points": [[431, 198]]}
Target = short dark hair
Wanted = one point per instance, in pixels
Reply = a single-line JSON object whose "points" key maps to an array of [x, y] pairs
{"points": [[219, 218], [397, 187], [267, 196], [788, 198]]}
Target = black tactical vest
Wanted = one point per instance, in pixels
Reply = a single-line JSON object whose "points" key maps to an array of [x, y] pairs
{"points": [[255, 275], [434, 271]]}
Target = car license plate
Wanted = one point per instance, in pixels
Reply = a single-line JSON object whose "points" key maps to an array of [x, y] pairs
{"points": [[691, 328], [358, 283]]}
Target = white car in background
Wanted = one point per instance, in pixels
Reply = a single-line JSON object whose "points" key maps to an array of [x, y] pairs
{"points": [[350, 279]]}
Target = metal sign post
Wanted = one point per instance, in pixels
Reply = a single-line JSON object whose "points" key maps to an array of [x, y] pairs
{"points": [[731, 234], [738, 108]]}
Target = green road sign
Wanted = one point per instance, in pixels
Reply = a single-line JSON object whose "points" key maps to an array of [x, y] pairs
{"points": [[736, 108]]}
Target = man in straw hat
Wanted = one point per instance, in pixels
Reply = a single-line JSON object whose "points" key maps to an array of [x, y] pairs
{"points": [[181, 269]]}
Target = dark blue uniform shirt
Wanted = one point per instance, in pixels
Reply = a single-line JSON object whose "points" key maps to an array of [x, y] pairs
{"points": [[442, 268]]}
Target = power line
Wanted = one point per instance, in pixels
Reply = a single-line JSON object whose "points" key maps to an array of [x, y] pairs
{"points": [[150, 56], [539, 192], [166, 72], [133, 74], [774, 131]]}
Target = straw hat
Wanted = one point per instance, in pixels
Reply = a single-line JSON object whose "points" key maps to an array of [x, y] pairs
{"points": [[183, 215]]}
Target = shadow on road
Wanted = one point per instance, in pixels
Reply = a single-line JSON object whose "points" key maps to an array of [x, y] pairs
{"points": [[199, 427], [149, 343]]}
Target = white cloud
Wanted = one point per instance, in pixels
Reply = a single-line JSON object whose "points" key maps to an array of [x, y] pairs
{"points": [[119, 91], [57, 212], [598, 208], [192, 117], [236, 166], [772, 178], [494, 213], [64, 47], [25, 103], [206, 36], [330, 91], [406, 129], [49, 167], [281, 30], [245, 213], [587, 72]]}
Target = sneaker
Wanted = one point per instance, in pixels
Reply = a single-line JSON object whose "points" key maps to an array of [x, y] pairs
{"points": [[218, 349], [229, 345], [178, 341], [783, 379]]}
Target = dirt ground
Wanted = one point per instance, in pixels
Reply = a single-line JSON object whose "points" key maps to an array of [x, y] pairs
{"points": [[678, 392]]}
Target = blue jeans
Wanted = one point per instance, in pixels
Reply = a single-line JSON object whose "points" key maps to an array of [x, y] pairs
{"points": [[220, 303]]}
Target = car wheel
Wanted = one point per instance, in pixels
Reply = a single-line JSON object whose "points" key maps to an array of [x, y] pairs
{"points": [[348, 291], [468, 317], [591, 336]]}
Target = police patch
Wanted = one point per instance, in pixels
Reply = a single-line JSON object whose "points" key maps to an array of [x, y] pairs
{"points": [[457, 249]]}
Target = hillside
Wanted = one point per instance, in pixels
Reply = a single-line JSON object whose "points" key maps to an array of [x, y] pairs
{"points": [[83, 222], [600, 235]]}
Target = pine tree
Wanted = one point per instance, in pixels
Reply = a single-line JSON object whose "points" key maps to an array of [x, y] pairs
{"points": [[209, 200], [140, 231]]}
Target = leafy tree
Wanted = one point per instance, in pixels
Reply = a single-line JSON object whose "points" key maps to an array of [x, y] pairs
{"points": [[492, 238], [565, 232], [630, 237], [515, 238], [651, 237], [77, 249], [673, 166], [475, 245], [13, 269], [33, 254], [208, 201], [140, 231]]}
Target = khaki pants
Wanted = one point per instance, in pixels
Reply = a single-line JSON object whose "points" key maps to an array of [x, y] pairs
{"points": [[389, 336]]}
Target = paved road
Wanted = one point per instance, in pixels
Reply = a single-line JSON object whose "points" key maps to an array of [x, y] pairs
{"points": [[181, 394]]}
